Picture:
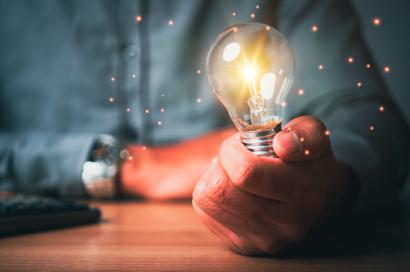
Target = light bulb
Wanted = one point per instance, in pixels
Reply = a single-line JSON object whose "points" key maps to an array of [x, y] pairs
{"points": [[250, 68]]}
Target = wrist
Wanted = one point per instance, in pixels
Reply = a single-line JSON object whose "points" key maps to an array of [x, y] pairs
{"points": [[132, 180], [101, 168], [125, 184]]}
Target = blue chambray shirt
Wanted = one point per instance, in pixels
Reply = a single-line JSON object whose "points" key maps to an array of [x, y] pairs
{"points": [[61, 61]]}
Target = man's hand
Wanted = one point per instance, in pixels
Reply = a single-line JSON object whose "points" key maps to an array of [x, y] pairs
{"points": [[169, 172], [258, 205]]}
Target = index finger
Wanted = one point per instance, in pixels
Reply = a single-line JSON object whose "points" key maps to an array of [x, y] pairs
{"points": [[263, 176]]}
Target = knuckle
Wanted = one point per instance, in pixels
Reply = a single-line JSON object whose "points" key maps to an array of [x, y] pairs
{"points": [[202, 202], [315, 124], [220, 191], [312, 119], [200, 187], [216, 194], [246, 174], [213, 184], [317, 130]]}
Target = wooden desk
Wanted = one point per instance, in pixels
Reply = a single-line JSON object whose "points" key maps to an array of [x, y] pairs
{"points": [[137, 236]]}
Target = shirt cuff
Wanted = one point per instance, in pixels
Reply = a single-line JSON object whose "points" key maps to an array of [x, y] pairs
{"points": [[70, 166]]}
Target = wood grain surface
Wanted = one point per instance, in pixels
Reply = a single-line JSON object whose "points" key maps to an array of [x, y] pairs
{"points": [[138, 236]]}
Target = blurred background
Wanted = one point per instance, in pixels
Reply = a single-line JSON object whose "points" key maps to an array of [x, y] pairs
{"points": [[389, 44]]}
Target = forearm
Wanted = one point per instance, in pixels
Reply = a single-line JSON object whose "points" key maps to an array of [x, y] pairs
{"points": [[169, 172], [43, 163], [204, 147], [347, 95], [373, 142]]}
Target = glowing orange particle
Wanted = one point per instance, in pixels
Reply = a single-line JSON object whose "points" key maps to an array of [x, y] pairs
{"points": [[314, 28], [368, 66], [376, 21], [371, 128], [327, 132], [301, 92], [307, 152], [302, 139], [359, 84], [350, 59], [386, 69], [138, 18], [381, 108], [320, 66], [111, 99]]}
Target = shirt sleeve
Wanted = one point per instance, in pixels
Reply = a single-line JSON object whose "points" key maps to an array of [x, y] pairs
{"points": [[342, 87], [44, 163]]}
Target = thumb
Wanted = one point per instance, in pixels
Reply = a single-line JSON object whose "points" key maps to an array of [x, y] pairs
{"points": [[304, 138]]}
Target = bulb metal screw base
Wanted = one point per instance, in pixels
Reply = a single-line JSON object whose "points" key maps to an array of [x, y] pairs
{"points": [[260, 142]]}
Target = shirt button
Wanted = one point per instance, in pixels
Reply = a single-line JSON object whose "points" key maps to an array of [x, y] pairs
{"points": [[131, 54]]}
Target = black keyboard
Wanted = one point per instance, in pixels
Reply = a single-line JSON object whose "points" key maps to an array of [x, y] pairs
{"points": [[23, 213]]}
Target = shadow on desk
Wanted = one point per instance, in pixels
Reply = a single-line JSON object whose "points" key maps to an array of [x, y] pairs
{"points": [[385, 231]]}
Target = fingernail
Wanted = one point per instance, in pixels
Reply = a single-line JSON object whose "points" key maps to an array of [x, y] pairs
{"points": [[289, 142]]}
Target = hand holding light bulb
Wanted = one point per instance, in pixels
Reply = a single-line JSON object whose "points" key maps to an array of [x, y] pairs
{"points": [[259, 205], [256, 203]]}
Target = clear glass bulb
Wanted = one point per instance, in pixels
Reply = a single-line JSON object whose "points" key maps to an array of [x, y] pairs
{"points": [[250, 67]]}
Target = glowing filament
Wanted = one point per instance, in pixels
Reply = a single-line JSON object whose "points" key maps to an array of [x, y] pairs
{"points": [[249, 72]]}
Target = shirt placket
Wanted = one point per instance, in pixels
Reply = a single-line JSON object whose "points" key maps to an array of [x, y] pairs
{"points": [[133, 70]]}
